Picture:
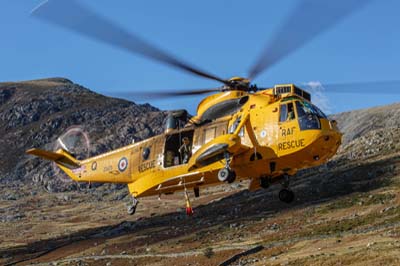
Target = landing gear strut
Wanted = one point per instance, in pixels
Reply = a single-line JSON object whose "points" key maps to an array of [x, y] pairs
{"points": [[285, 181], [286, 195], [226, 174], [264, 182], [132, 208], [196, 191]]}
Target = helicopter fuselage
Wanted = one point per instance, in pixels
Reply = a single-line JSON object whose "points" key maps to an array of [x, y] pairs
{"points": [[268, 135]]}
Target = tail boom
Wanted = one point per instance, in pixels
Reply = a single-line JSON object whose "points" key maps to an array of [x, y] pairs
{"points": [[91, 170]]}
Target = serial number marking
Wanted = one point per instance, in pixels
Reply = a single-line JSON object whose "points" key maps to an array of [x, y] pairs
{"points": [[293, 144], [147, 166], [107, 168]]}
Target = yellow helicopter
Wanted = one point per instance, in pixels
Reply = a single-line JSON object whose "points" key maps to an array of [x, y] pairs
{"points": [[240, 132]]}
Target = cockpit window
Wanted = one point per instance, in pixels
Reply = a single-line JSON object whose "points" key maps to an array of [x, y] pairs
{"points": [[308, 116], [308, 108], [287, 112], [320, 113]]}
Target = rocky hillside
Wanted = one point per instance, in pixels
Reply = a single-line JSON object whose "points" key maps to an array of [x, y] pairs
{"points": [[35, 113], [364, 122]]}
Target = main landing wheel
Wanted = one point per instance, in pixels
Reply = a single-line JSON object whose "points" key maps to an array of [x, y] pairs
{"points": [[131, 210], [226, 175], [286, 195]]}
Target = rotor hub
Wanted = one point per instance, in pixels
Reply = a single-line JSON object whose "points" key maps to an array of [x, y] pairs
{"points": [[239, 83]]}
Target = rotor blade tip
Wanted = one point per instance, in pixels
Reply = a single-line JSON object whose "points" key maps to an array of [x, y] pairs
{"points": [[35, 9]]}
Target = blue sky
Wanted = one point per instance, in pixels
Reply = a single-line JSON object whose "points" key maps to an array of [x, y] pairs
{"points": [[223, 37]]}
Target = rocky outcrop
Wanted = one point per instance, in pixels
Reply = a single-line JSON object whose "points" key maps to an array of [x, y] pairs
{"points": [[35, 113]]}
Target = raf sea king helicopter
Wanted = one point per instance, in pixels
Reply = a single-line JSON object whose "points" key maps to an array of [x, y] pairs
{"points": [[239, 132]]}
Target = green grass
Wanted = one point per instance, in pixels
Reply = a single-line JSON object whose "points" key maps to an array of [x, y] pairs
{"points": [[342, 226], [361, 199]]}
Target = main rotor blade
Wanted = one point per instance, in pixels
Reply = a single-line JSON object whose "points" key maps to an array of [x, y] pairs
{"points": [[307, 20], [159, 94], [72, 15], [371, 87]]}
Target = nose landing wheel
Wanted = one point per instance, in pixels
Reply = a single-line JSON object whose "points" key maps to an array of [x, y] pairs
{"points": [[226, 175], [286, 195]]}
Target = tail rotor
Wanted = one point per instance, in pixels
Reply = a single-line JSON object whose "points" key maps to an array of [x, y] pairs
{"points": [[75, 140]]}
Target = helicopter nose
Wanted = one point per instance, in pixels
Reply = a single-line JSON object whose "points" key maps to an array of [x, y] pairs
{"points": [[328, 141], [326, 146]]}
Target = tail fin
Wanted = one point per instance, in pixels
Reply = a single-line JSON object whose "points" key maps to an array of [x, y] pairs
{"points": [[60, 157]]}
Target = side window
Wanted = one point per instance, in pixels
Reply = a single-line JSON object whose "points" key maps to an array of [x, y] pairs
{"points": [[283, 114], [287, 112], [209, 134], [290, 115]]}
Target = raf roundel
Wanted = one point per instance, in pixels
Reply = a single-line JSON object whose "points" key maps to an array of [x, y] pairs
{"points": [[263, 134], [122, 164]]}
